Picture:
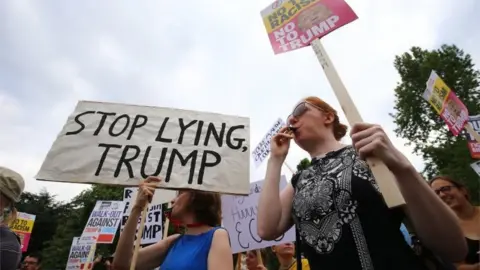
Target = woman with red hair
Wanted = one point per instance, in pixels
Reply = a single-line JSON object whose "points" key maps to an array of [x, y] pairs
{"points": [[340, 215]]}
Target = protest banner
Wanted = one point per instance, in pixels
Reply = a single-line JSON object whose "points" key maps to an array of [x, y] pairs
{"points": [[474, 145], [321, 18], [476, 167], [294, 24], [23, 226], [152, 231], [446, 103], [119, 144], [263, 148], [240, 220], [79, 256], [102, 225]]}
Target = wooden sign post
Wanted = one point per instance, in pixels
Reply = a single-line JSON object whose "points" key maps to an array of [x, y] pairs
{"points": [[90, 257], [384, 178], [139, 237]]}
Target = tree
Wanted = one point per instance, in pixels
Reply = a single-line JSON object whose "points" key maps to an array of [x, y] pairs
{"points": [[417, 121], [73, 223], [304, 163], [48, 212]]}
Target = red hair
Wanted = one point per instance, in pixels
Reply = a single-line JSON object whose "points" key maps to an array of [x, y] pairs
{"points": [[339, 129]]}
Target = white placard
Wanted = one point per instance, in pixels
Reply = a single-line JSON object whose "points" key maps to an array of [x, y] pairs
{"points": [[263, 148], [102, 225], [240, 220], [121, 144], [153, 229], [476, 167], [78, 254]]}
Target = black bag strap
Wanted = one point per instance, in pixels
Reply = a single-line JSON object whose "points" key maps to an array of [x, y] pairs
{"points": [[298, 239]]}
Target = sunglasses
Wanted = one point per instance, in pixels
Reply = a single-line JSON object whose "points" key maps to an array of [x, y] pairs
{"points": [[444, 189], [301, 108]]}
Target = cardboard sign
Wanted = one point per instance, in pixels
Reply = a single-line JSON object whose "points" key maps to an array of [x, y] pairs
{"points": [[446, 103], [120, 144], [78, 255], [23, 226], [473, 145], [294, 24], [102, 225], [240, 220], [263, 148], [153, 227]]}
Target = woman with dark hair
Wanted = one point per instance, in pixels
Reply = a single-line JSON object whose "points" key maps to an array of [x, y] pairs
{"points": [[455, 195], [11, 188], [342, 219], [203, 245]]}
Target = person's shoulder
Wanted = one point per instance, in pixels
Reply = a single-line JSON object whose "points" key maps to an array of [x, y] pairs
{"points": [[220, 232]]}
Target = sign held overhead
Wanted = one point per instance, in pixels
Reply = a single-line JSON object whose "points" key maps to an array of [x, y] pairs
{"points": [[121, 144]]}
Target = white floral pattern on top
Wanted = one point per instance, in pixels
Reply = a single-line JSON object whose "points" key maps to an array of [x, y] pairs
{"points": [[323, 204]]}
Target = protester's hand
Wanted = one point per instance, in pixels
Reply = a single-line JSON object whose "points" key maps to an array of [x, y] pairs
{"points": [[281, 143], [146, 190], [98, 259], [371, 140]]}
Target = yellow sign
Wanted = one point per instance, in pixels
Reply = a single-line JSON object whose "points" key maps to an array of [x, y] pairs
{"points": [[438, 92]]}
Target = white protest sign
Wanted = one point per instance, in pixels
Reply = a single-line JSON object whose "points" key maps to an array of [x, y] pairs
{"points": [[121, 144], [102, 225], [263, 148], [78, 254], [152, 232], [476, 167], [240, 220]]}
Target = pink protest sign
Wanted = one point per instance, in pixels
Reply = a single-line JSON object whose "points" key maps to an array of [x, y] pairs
{"points": [[294, 24], [454, 113]]}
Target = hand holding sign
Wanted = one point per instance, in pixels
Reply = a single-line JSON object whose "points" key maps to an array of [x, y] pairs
{"points": [[370, 140], [146, 191]]}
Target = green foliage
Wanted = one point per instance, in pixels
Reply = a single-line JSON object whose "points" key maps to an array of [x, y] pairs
{"points": [[304, 163], [417, 121], [74, 216]]}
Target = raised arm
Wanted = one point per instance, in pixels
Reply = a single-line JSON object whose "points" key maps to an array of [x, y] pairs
{"points": [[151, 256], [434, 223], [274, 209], [220, 254]]}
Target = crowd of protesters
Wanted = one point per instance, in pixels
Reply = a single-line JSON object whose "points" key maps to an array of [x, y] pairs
{"points": [[341, 219]]}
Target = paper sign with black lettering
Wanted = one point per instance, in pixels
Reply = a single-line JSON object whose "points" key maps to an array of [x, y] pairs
{"points": [[152, 232], [78, 255], [102, 225], [473, 145], [263, 148], [240, 220], [119, 144]]}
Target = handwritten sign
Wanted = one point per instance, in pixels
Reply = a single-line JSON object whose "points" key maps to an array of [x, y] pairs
{"points": [[23, 226], [473, 145], [120, 144], [102, 225], [78, 255], [152, 232], [263, 148], [446, 103], [294, 24], [240, 220]]}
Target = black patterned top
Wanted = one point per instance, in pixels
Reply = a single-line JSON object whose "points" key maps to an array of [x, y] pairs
{"points": [[343, 220]]}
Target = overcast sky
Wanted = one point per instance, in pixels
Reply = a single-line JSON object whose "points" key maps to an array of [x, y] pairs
{"points": [[201, 55]]}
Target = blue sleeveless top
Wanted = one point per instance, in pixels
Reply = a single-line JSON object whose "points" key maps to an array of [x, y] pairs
{"points": [[189, 252]]}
